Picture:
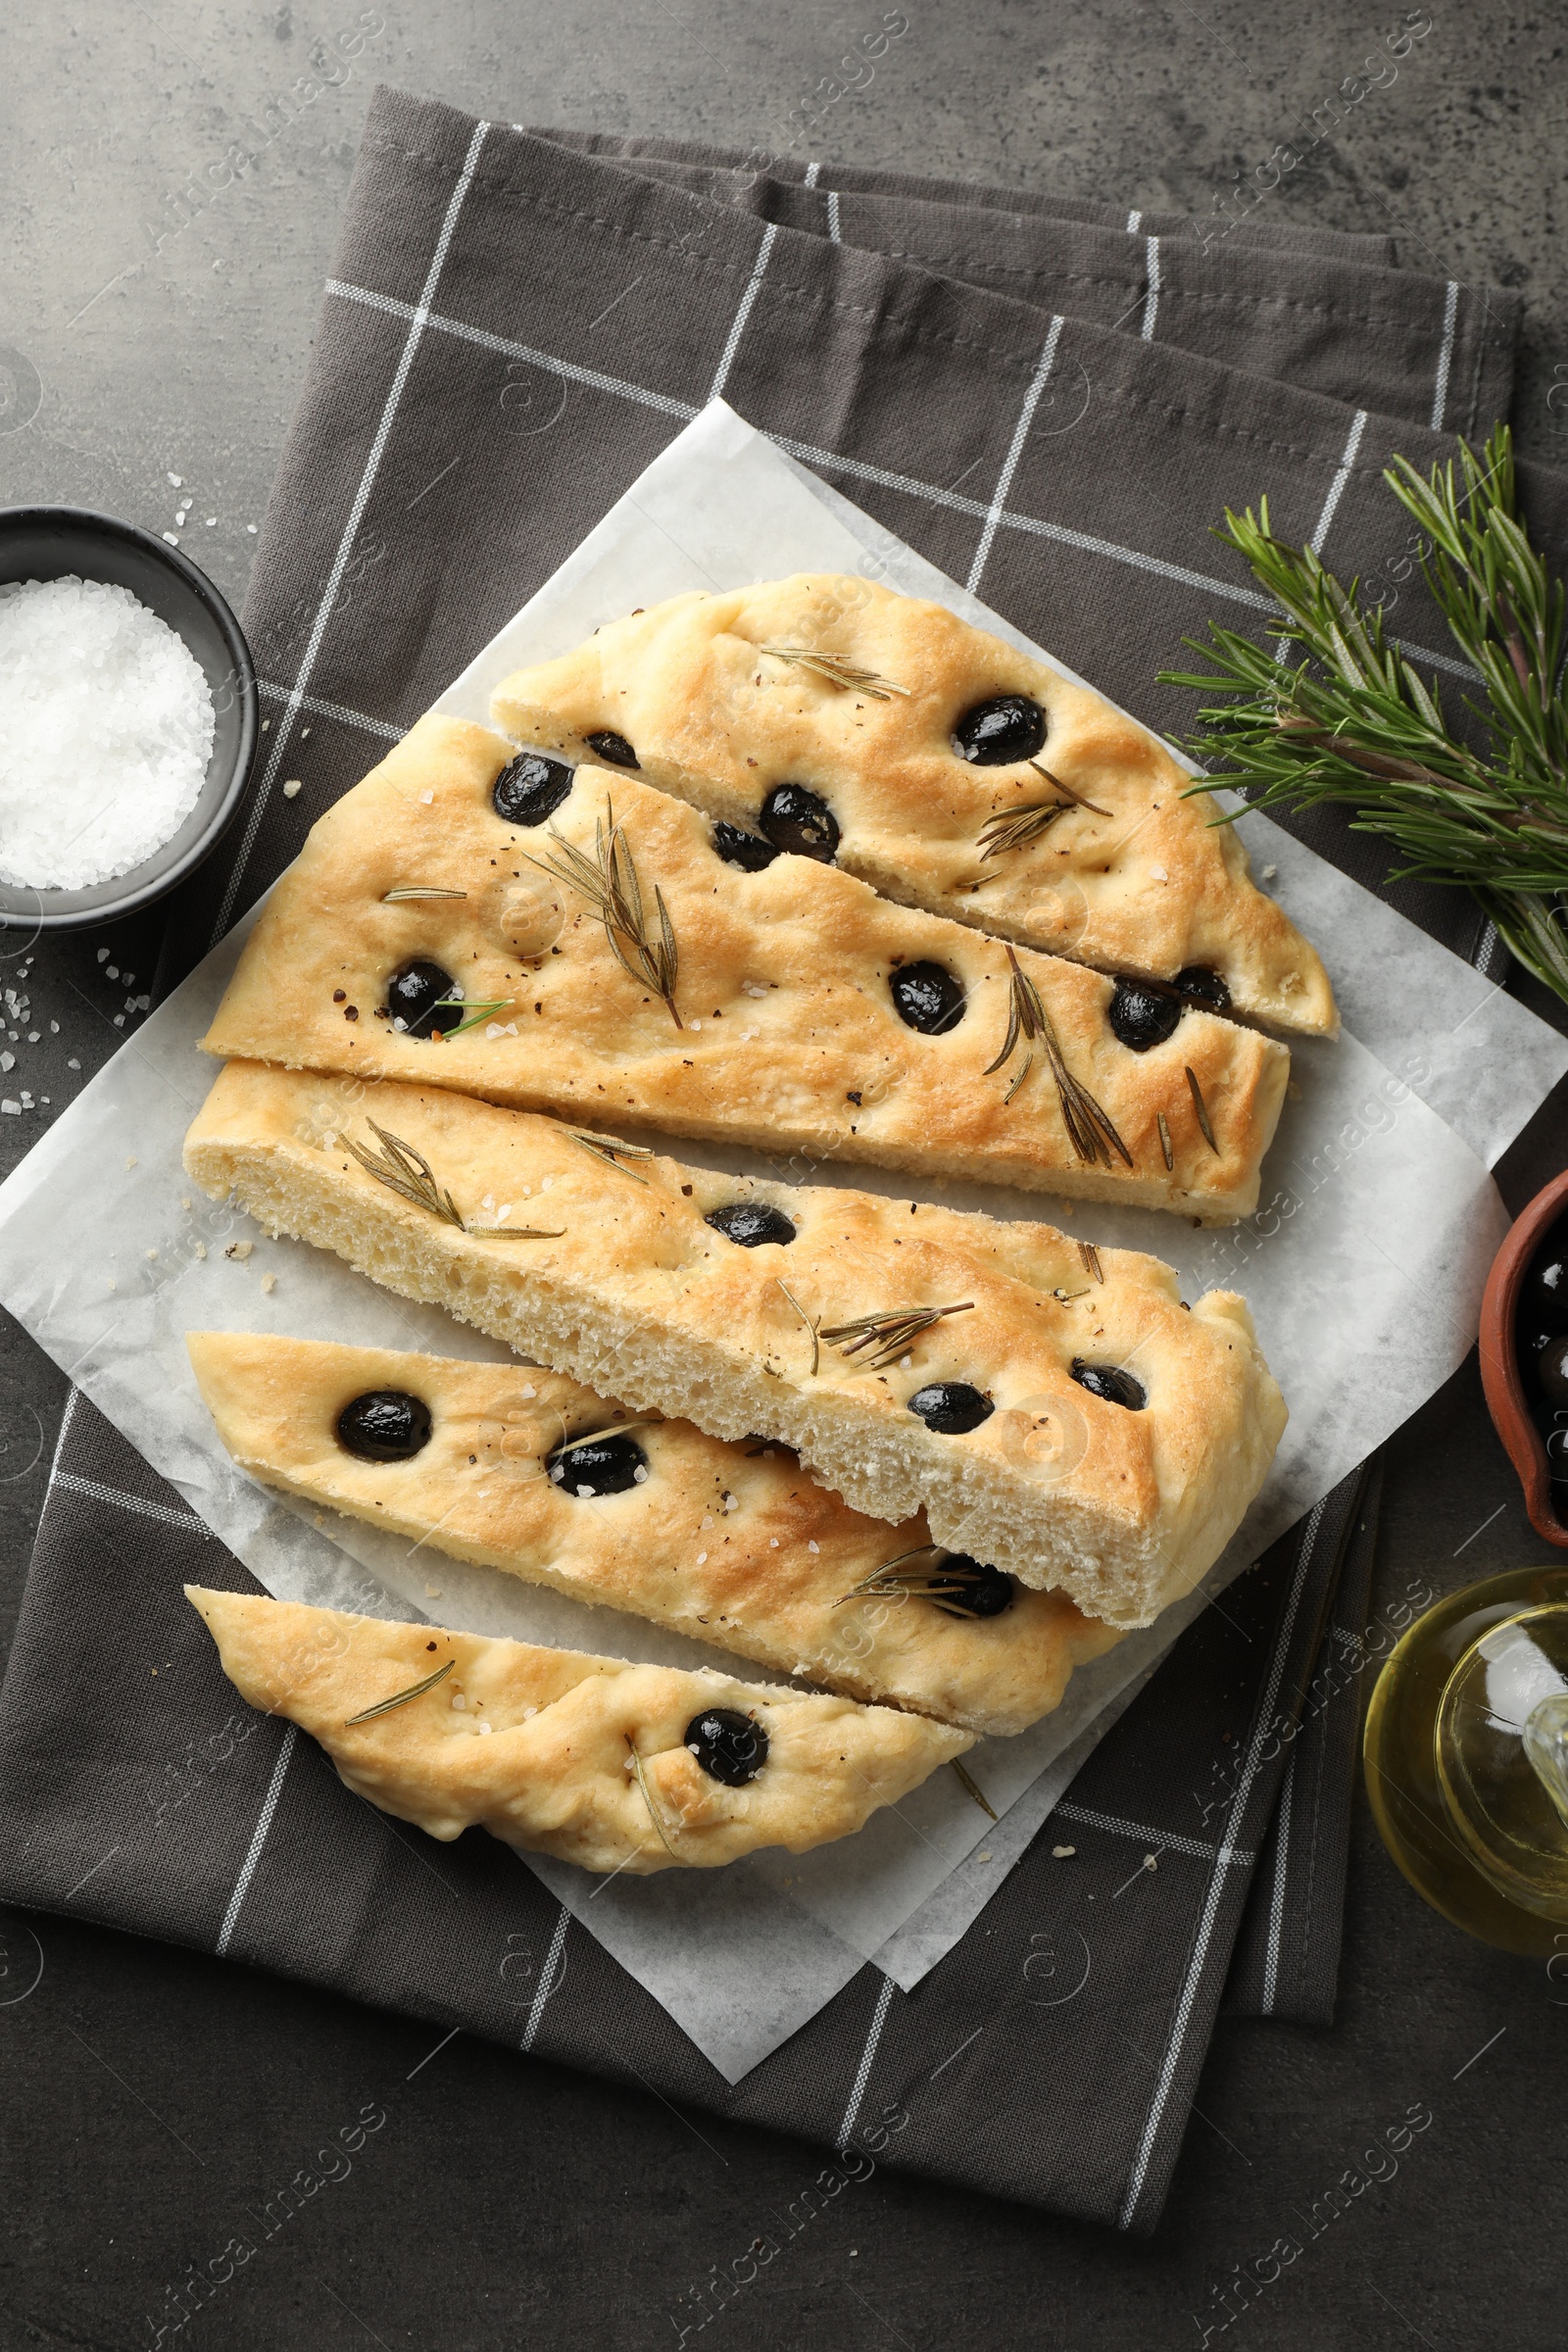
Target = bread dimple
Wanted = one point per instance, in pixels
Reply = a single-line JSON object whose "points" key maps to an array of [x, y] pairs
{"points": [[789, 1039], [639, 1295], [552, 1773], [731, 1543], [1141, 883]]}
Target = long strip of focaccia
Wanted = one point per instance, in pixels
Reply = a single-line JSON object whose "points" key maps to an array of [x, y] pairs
{"points": [[789, 1019], [952, 772], [1057, 1412], [733, 1545], [602, 1763]]}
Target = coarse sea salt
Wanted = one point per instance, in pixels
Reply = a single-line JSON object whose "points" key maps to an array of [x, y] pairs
{"points": [[106, 728]]}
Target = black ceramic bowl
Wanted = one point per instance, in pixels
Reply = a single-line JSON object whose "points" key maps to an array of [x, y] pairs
{"points": [[45, 543]]}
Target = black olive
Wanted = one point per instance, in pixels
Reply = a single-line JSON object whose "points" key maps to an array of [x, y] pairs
{"points": [[1143, 1016], [1551, 1370], [750, 1223], [973, 1590], [927, 997], [602, 1466], [530, 788], [1009, 728], [611, 747], [749, 851], [1531, 1335], [1200, 985], [1111, 1382], [384, 1425], [1547, 1292], [419, 994], [794, 818], [727, 1744], [950, 1408], [1552, 1421]]}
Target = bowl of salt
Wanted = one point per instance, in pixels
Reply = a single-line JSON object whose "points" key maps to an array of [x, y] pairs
{"points": [[127, 718]]}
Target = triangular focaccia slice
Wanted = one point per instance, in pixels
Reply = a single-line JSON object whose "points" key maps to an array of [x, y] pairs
{"points": [[1056, 1411], [733, 1545], [1130, 877], [590, 1759], [790, 1036]]}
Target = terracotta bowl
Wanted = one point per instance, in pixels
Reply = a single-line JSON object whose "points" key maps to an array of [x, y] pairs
{"points": [[1500, 1374]]}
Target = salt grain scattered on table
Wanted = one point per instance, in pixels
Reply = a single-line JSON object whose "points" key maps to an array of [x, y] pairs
{"points": [[106, 728]]}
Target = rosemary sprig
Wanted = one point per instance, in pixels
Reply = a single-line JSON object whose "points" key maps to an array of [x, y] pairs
{"points": [[399, 1698], [971, 1788], [816, 1351], [1015, 828], [479, 1008], [887, 1335], [1353, 722], [611, 1152], [408, 1173], [418, 890], [837, 672], [1200, 1106], [893, 1581], [610, 882], [647, 1798], [1089, 1127]]}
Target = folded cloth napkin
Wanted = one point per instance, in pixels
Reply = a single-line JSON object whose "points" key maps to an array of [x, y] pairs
{"points": [[514, 328]]}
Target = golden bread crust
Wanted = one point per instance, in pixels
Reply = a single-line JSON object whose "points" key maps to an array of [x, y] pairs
{"points": [[1121, 1508], [732, 1545], [1148, 887], [550, 1773], [790, 1037]]}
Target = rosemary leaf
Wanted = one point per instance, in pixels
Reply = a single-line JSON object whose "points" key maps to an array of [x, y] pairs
{"points": [[591, 1437], [816, 1351], [611, 1152], [1165, 1141], [479, 1009], [399, 1698], [1090, 1260], [647, 1798], [972, 1788], [1202, 1108], [838, 673], [418, 890]]}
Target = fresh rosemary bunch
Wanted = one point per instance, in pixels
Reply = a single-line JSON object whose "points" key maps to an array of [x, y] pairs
{"points": [[1353, 722]]}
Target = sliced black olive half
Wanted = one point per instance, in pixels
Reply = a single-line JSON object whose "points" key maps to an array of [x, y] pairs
{"points": [[794, 818], [950, 1408], [421, 997], [1111, 1382], [530, 788], [602, 1466], [927, 997], [750, 1223], [996, 733], [611, 747], [749, 851], [727, 1744], [971, 1589], [384, 1425], [1200, 984], [1143, 1016], [1551, 1369]]}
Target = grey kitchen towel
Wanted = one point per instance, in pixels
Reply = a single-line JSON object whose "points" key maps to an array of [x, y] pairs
{"points": [[512, 331], [1409, 346]]}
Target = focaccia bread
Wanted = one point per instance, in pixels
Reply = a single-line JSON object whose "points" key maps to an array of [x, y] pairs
{"points": [[781, 1026], [1057, 1412], [949, 771], [594, 1760], [733, 1545]]}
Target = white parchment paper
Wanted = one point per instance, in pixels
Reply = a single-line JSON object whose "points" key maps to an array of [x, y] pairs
{"points": [[1364, 1269]]}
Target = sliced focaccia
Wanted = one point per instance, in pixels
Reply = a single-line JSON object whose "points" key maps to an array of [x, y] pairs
{"points": [[445, 924], [606, 1764], [1056, 1411], [946, 769], [528, 1472]]}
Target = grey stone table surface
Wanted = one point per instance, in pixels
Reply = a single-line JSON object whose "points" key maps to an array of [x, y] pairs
{"points": [[149, 2096]]}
